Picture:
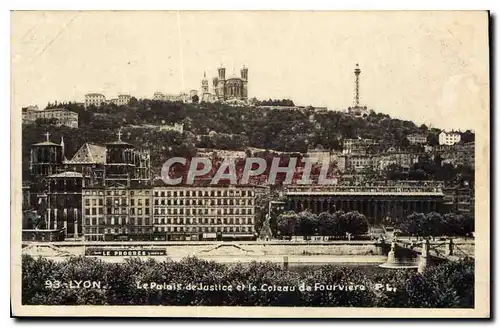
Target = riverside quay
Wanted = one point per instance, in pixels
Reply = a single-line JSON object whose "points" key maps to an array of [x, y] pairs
{"points": [[377, 202]]}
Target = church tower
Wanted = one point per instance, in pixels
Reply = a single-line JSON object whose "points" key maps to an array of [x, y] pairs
{"points": [[244, 78], [204, 84], [221, 83], [46, 158], [119, 167]]}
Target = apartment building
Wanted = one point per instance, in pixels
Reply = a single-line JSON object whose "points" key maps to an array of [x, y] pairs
{"points": [[204, 212]]}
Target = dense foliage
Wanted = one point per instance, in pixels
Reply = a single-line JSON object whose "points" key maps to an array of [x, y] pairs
{"points": [[435, 224], [325, 224], [449, 285], [428, 168]]}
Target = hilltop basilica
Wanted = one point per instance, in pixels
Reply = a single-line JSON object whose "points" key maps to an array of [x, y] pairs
{"points": [[234, 89]]}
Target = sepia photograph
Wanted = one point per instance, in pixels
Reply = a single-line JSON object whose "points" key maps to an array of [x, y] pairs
{"points": [[250, 164]]}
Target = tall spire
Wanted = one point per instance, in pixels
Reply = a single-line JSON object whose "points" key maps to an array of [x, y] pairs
{"points": [[357, 72], [119, 135], [62, 145]]}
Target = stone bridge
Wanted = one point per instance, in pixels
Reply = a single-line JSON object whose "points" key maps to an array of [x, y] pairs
{"points": [[420, 254]]}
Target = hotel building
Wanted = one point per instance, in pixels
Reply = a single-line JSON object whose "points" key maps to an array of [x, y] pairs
{"points": [[204, 212]]}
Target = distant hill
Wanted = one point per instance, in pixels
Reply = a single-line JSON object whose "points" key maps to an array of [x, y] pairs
{"points": [[220, 126]]}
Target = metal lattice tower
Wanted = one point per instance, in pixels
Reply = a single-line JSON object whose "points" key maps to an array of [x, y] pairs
{"points": [[357, 72]]}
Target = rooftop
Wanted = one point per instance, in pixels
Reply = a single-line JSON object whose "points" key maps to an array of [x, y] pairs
{"points": [[89, 154], [69, 174], [46, 143]]}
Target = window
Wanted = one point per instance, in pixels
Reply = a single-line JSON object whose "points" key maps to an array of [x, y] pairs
{"points": [[147, 201]]}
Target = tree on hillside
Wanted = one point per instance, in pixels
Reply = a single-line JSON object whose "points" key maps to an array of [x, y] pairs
{"points": [[432, 139], [467, 136]]}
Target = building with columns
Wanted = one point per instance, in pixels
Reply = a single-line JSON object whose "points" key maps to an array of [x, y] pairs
{"points": [[377, 203]]}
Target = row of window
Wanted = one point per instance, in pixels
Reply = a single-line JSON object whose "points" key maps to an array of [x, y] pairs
{"points": [[124, 211], [218, 221], [200, 202], [180, 221], [205, 211], [121, 192], [117, 201], [100, 230], [169, 211], [118, 221], [175, 193], [204, 193], [204, 229]]}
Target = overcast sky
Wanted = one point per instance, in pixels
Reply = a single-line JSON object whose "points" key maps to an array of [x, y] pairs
{"points": [[430, 67]]}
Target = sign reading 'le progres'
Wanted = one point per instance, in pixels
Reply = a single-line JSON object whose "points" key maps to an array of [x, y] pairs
{"points": [[125, 252]]}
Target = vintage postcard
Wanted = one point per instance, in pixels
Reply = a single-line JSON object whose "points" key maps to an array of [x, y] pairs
{"points": [[250, 164]]}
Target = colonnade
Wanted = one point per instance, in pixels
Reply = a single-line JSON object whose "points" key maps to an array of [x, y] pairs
{"points": [[374, 208]]}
